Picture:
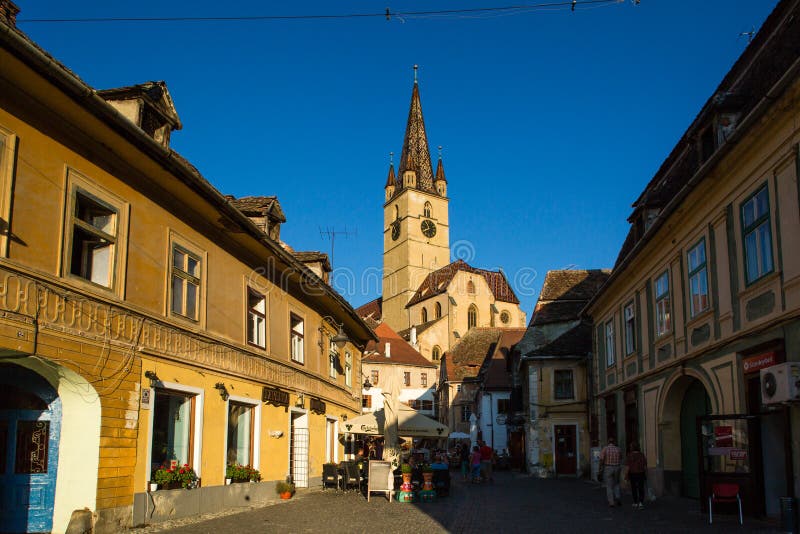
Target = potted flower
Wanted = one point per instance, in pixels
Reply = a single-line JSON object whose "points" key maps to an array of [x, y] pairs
{"points": [[405, 471], [242, 473], [174, 477], [285, 489], [427, 477]]}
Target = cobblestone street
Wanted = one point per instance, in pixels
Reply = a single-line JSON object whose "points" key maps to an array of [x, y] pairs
{"points": [[514, 503]]}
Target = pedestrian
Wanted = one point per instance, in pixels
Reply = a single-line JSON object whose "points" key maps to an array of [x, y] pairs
{"points": [[637, 474], [475, 462], [487, 454], [463, 455], [610, 458]]}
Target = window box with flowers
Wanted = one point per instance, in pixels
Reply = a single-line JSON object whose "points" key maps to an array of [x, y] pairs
{"points": [[242, 473], [175, 477]]}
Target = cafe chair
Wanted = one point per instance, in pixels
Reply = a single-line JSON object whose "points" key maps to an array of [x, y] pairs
{"points": [[352, 477], [724, 493], [330, 476]]}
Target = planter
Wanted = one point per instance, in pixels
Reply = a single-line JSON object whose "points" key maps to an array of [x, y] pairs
{"points": [[406, 478], [286, 495], [153, 486], [227, 481], [427, 481]]}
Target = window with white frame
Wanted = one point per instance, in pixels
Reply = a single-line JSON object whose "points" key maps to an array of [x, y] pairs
{"points": [[757, 234], [366, 401], [333, 358], [256, 318], [172, 441], [423, 379], [663, 312], [93, 238], [630, 328], [297, 330], [241, 422], [374, 377], [348, 369], [406, 378], [466, 411], [698, 278], [563, 384], [610, 355], [185, 286]]}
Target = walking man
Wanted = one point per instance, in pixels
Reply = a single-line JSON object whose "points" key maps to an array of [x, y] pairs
{"points": [[486, 461], [610, 458]]}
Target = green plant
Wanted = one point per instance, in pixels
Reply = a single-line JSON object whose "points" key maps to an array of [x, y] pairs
{"points": [[405, 468], [426, 468], [284, 487], [242, 473], [184, 475]]}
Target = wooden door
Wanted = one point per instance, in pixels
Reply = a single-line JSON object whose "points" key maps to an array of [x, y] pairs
{"points": [[566, 450], [516, 448]]}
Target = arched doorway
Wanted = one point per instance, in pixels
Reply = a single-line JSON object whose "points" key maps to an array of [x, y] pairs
{"points": [[695, 403], [30, 428]]}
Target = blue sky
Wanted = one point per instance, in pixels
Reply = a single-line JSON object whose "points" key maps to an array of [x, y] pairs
{"points": [[552, 121]]}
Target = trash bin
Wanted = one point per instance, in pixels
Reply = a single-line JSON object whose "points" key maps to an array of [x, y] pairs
{"points": [[788, 519]]}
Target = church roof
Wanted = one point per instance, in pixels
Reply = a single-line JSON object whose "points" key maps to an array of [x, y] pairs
{"points": [[440, 171], [371, 310], [416, 155], [465, 359], [437, 282], [406, 334], [400, 352], [390, 180]]}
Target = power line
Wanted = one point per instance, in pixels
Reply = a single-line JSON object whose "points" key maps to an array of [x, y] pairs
{"points": [[387, 14]]}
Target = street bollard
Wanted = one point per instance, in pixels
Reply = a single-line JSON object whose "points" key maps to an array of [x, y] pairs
{"points": [[788, 515]]}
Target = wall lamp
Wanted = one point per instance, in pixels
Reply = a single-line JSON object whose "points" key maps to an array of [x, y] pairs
{"points": [[340, 339], [223, 391], [344, 417], [300, 402], [153, 378], [367, 384]]}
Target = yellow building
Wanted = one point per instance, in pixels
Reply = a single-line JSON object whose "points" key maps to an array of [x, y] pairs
{"points": [[145, 321], [553, 358], [427, 299], [705, 295]]}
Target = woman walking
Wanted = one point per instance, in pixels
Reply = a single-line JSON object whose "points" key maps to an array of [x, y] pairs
{"points": [[637, 474]]}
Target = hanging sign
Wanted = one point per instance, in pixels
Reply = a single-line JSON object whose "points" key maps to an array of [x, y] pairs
{"points": [[275, 396], [755, 363]]}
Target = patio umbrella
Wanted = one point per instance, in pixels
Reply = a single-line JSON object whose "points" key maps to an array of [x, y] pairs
{"points": [[473, 430], [391, 405], [459, 435]]}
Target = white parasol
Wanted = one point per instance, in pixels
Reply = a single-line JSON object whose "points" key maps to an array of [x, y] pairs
{"points": [[391, 405]]}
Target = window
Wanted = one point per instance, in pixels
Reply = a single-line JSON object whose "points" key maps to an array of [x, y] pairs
{"points": [[505, 317], [503, 406], [698, 278], [297, 345], [458, 388], [374, 377], [563, 385], [93, 243], [426, 211], [423, 379], [630, 328], [256, 319], [436, 353], [472, 316], [437, 310], [470, 287], [425, 405], [173, 429], [466, 411], [396, 212], [240, 434], [406, 378], [348, 369], [333, 358], [757, 236], [424, 315], [413, 404], [8, 147], [663, 318], [610, 357], [185, 283], [366, 401]]}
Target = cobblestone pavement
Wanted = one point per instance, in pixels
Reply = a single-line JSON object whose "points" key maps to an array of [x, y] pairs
{"points": [[514, 503]]}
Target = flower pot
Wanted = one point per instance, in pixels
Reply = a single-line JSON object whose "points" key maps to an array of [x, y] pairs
{"points": [[227, 481], [427, 483], [153, 486], [286, 495], [406, 478]]}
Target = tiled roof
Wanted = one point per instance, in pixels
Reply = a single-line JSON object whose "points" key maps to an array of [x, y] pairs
{"points": [[406, 334], [155, 93], [464, 360], [556, 312], [437, 282], [313, 256], [571, 284], [400, 352], [496, 370], [440, 171], [574, 343], [258, 206], [415, 155], [390, 180], [372, 309]]}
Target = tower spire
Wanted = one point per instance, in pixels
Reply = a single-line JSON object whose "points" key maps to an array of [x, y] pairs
{"points": [[416, 155]]}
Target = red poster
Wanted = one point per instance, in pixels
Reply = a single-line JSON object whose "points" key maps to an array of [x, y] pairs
{"points": [[723, 436]]}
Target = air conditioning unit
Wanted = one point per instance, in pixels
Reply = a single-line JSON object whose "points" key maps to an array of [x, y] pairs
{"points": [[780, 383]]}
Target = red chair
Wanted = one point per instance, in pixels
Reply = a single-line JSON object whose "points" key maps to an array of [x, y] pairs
{"points": [[728, 493]]}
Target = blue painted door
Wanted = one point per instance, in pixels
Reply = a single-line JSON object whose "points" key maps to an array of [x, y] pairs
{"points": [[30, 421]]}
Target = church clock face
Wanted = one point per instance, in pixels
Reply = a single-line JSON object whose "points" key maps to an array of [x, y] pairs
{"points": [[395, 230], [428, 228]]}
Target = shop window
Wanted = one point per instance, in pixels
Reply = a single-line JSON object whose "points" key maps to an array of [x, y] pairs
{"points": [[698, 278], [240, 434], [563, 384], [256, 319], [297, 338], [757, 236], [185, 286], [173, 429], [663, 313], [630, 328]]}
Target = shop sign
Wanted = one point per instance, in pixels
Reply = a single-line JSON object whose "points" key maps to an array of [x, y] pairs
{"points": [[759, 361], [723, 436], [738, 454], [275, 396], [317, 406]]}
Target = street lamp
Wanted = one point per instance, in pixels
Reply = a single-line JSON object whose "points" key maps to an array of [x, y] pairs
{"points": [[340, 339]]}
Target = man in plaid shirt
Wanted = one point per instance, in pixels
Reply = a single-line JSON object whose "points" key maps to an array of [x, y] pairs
{"points": [[610, 459]]}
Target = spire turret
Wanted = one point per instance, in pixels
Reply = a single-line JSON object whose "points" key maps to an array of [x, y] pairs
{"points": [[416, 156], [440, 182], [390, 183]]}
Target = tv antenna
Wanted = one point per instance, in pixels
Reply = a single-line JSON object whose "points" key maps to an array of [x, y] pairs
{"points": [[749, 34], [331, 233]]}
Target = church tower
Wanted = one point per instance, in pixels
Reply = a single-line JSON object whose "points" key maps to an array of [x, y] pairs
{"points": [[416, 232]]}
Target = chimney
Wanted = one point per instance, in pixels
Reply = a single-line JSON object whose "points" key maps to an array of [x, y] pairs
{"points": [[8, 12], [413, 337], [388, 352]]}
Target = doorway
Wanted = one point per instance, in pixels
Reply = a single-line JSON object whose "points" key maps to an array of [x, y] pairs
{"points": [[331, 448], [298, 449], [566, 449], [30, 422], [695, 404]]}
